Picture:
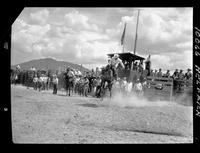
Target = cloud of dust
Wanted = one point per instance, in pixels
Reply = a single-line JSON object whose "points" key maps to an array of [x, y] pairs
{"points": [[133, 100], [185, 99]]}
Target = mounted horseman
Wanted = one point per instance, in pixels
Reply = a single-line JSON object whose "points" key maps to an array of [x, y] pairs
{"points": [[69, 80], [16, 75], [91, 78], [29, 77], [109, 74]]}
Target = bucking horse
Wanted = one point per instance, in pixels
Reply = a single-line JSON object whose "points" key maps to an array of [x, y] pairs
{"points": [[107, 79]]}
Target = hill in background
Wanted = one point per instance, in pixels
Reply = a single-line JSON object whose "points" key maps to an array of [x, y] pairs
{"points": [[48, 64]]}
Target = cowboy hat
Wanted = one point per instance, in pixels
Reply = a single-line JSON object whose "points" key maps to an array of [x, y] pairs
{"points": [[116, 55]]}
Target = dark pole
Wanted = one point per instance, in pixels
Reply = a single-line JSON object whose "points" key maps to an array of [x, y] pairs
{"points": [[136, 32]]}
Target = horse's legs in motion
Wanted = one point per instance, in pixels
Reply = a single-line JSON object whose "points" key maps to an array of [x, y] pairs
{"points": [[102, 92], [69, 89], [110, 89]]}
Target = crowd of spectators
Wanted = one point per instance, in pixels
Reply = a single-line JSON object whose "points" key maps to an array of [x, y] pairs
{"points": [[176, 75]]}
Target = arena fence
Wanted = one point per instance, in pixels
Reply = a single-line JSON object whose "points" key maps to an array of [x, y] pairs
{"points": [[159, 88]]}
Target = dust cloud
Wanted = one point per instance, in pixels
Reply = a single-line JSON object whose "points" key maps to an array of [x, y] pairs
{"points": [[123, 100]]}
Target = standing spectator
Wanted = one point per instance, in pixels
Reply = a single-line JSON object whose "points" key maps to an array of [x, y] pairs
{"points": [[48, 82], [98, 87], [188, 77], [159, 74], [127, 65], [145, 85], [76, 80], [92, 72], [175, 74], [40, 80], [138, 88], [85, 86], [151, 73], [16, 79], [181, 79], [148, 65], [17, 72], [94, 86], [97, 73], [175, 77], [29, 79], [23, 77], [167, 74], [35, 82], [128, 88], [140, 67], [81, 87], [79, 73], [116, 85], [155, 73], [188, 74], [181, 75], [18, 67], [124, 83], [135, 65], [55, 84], [43, 82]]}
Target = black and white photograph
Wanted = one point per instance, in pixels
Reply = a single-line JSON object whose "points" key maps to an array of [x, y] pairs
{"points": [[102, 75]]}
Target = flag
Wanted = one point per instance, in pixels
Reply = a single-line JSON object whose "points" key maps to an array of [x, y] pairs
{"points": [[123, 35]]}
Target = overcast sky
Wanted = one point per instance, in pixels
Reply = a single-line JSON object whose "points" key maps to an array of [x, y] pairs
{"points": [[86, 35]]}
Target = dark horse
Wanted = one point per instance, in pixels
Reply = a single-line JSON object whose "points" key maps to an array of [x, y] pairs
{"points": [[69, 81], [106, 80]]}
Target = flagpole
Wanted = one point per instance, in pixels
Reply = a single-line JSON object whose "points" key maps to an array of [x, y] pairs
{"points": [[123, 48], [135, 45], [123, 37]]}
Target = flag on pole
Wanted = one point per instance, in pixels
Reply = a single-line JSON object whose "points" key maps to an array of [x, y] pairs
{"points": [[123, 35]]}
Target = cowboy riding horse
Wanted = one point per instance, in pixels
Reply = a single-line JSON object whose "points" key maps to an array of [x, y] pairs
{"points": [[69, 81], [107, 77]]}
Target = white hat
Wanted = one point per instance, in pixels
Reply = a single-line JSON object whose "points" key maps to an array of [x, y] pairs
{"points": [[116, 55], [18, 66]]}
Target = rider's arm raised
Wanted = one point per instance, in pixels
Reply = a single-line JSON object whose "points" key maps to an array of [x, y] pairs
{"points": [[121, 63]]}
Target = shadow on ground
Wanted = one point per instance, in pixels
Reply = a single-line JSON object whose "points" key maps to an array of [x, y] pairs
{"points": [[89, 105]]}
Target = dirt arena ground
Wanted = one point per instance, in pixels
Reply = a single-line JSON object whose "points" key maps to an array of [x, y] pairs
{"points": [[41, 117]]}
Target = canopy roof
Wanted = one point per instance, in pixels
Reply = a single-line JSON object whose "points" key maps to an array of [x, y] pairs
{"points": [[127, 56]]}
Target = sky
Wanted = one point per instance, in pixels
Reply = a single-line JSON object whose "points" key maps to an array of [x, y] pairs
{"points": [[86, 35]]}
